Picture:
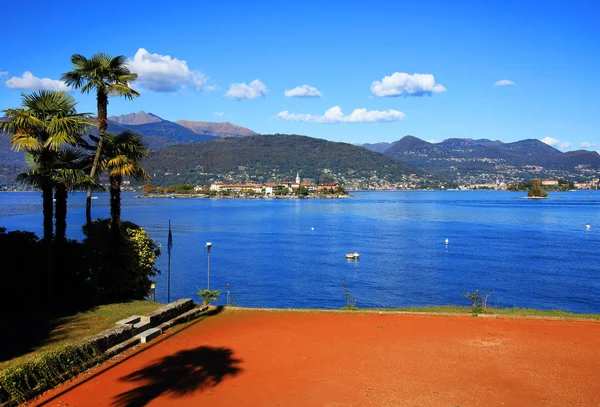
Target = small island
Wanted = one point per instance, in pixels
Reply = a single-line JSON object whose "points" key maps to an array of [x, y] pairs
{"points": [[287, 189], [536, 191]]}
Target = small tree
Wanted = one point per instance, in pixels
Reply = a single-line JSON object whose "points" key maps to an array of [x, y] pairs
{"points": [[536, 190], [208, 296], [478, 299]]}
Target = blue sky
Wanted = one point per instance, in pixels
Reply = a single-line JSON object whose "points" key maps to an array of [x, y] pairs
{"points": [[234, 61]]}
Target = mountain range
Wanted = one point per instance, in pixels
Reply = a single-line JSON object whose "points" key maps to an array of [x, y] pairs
{"points": [[460, 160], [161, 133], [468, 160], [278, 157]]}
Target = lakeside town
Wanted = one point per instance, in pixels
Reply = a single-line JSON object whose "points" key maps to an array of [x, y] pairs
{"points": [[295, 188], [308, 188]]}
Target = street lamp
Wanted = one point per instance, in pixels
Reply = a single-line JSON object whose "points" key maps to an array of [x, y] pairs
{"points": [[153, 291], [208, 246]]}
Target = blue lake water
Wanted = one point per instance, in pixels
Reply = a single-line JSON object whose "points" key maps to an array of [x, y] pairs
{"points": [[533, 253]]}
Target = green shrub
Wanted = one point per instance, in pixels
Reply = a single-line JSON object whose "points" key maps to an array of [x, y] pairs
{"points": [[124, 269], [209, 296], [23, 381]]}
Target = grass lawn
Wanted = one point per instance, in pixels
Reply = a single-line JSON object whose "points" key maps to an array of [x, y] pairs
{"points": [[498, 311], [446, 309], [33, 333]]}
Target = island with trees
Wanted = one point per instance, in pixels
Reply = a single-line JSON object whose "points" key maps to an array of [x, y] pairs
{"points": [[280, 189], [536, 190]]}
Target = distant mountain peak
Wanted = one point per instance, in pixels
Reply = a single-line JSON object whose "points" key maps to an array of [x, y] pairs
{"points": [[135, 119], [409, 143], [219, 129]]}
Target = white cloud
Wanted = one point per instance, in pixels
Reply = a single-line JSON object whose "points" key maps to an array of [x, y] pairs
{"points": [[550, 141], [241, 91], [3, 73], [335, 115], [219, 114], [556, 143], [585, 144], [504, 82], [30, 82], [403, 84], [303, 91], [161, 73]]}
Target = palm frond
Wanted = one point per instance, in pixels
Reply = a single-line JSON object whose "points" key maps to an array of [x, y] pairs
{"points": [[74, 124], [88, 87], [25, 142], [49, 102], [119, 89], [59, 139], [19, 118], [33, 178], [32, 161], [99, 73], [46, 121], [126, 76]]}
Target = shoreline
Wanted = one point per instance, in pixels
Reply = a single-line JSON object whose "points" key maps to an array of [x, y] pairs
{"points": [[204, 196], [441, 310]]}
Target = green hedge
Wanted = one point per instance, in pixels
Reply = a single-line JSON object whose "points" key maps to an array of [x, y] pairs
{"points": [[24, 381]]}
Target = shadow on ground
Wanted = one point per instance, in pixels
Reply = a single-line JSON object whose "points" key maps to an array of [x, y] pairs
{"points": [[179, 375], [31, 329]]}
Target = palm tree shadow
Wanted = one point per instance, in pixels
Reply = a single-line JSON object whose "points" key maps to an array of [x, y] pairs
{"points": [[179, 375]]}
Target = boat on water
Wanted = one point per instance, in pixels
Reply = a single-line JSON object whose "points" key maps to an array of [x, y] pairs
{"points": [[352, 256]]}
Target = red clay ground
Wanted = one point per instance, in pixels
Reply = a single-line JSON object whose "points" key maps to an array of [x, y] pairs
{"points": [[283, 358]]}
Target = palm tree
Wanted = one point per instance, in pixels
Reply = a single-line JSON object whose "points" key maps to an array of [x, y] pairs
{"points": [[40, 180], [121, 158], [108, 77], [70, 174], [46, 122]]}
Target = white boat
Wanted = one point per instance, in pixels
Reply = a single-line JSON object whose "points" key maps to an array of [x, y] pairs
{"points": [[352, 256]]}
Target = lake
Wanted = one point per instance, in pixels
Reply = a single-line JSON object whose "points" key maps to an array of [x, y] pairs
{"points": [[291, 253]]}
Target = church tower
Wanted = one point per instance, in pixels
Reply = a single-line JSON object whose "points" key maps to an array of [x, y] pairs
{"points": [[298, 178]]}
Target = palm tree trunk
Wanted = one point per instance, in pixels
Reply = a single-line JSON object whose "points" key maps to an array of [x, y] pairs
{"points": [[60, 236], [61, 213], [115, 203], [115, 219], [102, 100], [102, 103], [47, 209]]}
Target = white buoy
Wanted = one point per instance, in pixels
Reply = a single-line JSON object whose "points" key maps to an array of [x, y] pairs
{"points": [[447, 241], [587, 226], [312, 228]]}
